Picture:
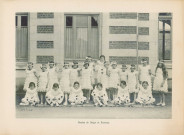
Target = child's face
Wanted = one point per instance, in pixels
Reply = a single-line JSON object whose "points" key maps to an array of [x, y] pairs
{"points": [[44, 69], [99, 87], [102, 59], [55, 88], [159, 65], [114, 66], [132, 69], [123, 69], [122, 85], [66, 66], [76, 86], [75, 66], [86, 66], [31, 86], [144, 63], [145, 85], [51, 65], [30, 66], [89, 60]]}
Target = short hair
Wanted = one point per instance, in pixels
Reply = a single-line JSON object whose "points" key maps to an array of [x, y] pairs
{"points": [[76, 83], [55, 85], [132, 65], [102, 56], [123, 82], [99, 84], [32, 83], [145, 82], [30, 63], [51, 62]]}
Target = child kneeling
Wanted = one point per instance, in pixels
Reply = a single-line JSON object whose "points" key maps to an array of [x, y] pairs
{"points": [[145, 95], [76, 95], [123, 94], [99, 95], [55, 96], [31, 96]]}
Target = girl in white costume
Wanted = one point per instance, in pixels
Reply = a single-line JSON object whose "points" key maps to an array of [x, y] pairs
{"points": [[54, 97], [31, 96], [99, 95], [74, 73], [145, 95], [76, 95], [43, 84], [113, 73], [133, 82], [145, 72], [31, 76], [160, 82], [65, 81], [92, 67], [53, 75], [123, 94], [124, 73], [86, 80]]}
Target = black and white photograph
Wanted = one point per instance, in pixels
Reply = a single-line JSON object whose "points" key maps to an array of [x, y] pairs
{"points": [[93, 65]]}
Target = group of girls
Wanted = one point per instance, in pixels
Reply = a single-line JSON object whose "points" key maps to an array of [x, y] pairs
{"points": [[99, 80]]}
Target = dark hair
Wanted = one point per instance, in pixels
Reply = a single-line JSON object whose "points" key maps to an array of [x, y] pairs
{"points": [[102, 56], [51, 62], [86, 63], [145, 82], [123, 82], [55, 85], [132, 65], [99, 84], [76, 83], [30, 63], [89, 56], [165, 73], [32, 83]]}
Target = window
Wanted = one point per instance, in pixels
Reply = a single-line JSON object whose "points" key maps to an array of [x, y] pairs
{"points": [[165, 35], [69, 21], [21, 24]]}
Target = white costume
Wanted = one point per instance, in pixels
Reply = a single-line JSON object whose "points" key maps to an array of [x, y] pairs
{"points": [[76, 96], [123, 76], [113, 78], [30, 77], [132, 82], [86, 78], [54, 97], [144, 74], [43, 81], [100, 95], [31, 97], [65, 80], [158, 80], [145, 96], [102, 75], [53, 77], [74, 76], [123, 95]]}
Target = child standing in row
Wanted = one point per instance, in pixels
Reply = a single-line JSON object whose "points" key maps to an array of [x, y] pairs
{"points": [[160, 82], [31, 76], [123, 74], [31, 96], [43, 84], [133, 82], [74, 73], [65, 81]]}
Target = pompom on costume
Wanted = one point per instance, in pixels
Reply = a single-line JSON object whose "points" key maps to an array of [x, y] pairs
{"points": [[76, 96], [99, 97], [54, 98], [31, 97], [145, 96], [123, 96]]}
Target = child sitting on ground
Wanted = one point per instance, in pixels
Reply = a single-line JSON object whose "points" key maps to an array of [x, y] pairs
{"points": [[99, 95], [31, 96], [76, 95]]}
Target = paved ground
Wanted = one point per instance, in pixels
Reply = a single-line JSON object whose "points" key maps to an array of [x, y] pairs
{"points": [[91, 112]]}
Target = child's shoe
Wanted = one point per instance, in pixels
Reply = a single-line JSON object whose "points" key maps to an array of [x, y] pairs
{"points": [[163, 104]]}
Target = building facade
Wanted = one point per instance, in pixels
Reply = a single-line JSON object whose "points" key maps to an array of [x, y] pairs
{"points": [[123, 37]]}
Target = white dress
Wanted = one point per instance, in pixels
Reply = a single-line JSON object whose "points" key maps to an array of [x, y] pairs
{"points": [[53, 77], [54, 97], [123, 76], [102, 76], [158, 80], [93, 74], [30, 77], [113, 78], [76, 96], [145, 96], [99, 94], [42, 81], [86, 79], [123, 95], [132, 82], [74, 76], [65, 81], [144, 74], [31, 96]]}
